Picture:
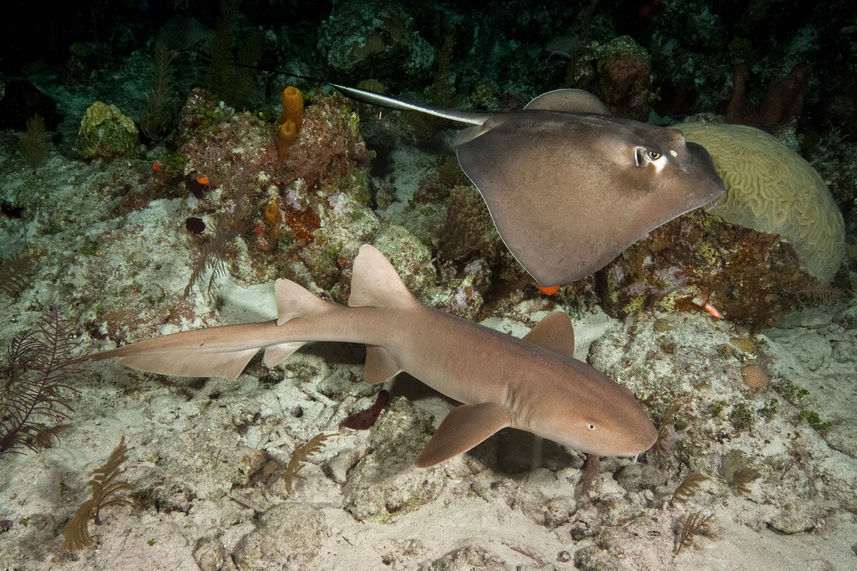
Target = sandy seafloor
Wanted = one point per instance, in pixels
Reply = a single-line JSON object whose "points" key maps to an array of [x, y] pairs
{"points": [[206, 456]]}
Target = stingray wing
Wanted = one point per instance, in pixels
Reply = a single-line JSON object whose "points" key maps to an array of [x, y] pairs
{"points": [[567, 192]]}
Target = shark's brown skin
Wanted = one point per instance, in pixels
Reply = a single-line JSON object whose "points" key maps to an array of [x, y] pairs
{"points": [[569, 186], [533, 384]]}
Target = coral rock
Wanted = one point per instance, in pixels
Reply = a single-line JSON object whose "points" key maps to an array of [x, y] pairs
{"points": [[772, 189], [106, 132], [625, 78], [755, 377]]}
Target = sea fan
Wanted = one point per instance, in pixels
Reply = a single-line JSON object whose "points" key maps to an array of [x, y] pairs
{"points": [[35, 391]]}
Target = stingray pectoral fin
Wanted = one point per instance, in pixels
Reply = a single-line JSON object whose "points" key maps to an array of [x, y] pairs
{"points": [[227, 364], [569, 100], [462, 429]]}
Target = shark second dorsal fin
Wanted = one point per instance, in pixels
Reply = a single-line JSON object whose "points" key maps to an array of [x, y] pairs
{"points": [[375, 283], [568, 100], [462, 429], [294, 300], [554, 332]]}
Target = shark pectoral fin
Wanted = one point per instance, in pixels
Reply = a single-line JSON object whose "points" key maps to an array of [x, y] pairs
{"points": [[380, 365], [276, 354], [462, 429], [227, 364], [554, 332]]}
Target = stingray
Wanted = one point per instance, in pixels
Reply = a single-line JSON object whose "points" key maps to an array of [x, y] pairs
{"points": [[568, 185]]}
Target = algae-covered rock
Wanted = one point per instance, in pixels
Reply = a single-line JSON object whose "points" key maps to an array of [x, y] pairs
{"points": [[106, 132], [698, 260], [410, 257], [385, 482], [625, 77], [373, 39], [772, 189], [288, 534]]}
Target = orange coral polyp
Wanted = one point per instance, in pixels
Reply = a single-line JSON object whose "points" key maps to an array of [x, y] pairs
{"points": [[293, 106], [286, 136]]}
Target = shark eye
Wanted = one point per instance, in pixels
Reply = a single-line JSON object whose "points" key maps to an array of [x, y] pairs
{"points": [[653, 155]]}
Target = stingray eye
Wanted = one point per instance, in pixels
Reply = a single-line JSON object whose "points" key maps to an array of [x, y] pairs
{"points": [[590, 426], [644, 156]]}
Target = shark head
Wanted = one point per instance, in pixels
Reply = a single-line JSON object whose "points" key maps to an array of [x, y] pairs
{"points": [[596, 416]]}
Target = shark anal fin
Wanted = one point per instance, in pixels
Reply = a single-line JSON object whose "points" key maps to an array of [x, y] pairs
{"points": [[462, 429], [554, 332], [276, 354], [227, 364], [380, 365]]}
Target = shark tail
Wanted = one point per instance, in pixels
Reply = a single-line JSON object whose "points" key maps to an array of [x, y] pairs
{"points": [[226, 351], [187, 354]]}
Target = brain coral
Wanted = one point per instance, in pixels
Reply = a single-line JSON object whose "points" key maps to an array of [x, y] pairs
{"points": [[772, 189]]}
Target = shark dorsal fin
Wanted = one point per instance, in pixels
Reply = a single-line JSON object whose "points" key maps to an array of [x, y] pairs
{"points": [[462, 429], [568, 100], [554, 332], [375, 282], [293, 300]]}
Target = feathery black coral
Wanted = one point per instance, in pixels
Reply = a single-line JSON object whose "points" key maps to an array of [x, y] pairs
{"points": [[230, 224], [35, 143], [105, 490], [300, 455], [692, 525], [34, 396], [156, 113]]}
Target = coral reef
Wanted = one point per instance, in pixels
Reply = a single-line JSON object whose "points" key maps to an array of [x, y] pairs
{"points": [[772, 189], [781, 105], [114, 242], [696, 261], [373, 39], [624, 78]]}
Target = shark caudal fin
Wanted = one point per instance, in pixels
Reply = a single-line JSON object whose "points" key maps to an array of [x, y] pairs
{"points": [[375, 283], [179, 355]]}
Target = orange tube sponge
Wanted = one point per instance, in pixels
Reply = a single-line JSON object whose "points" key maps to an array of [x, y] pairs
{"points": [[286, 136], [293, 106]]}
